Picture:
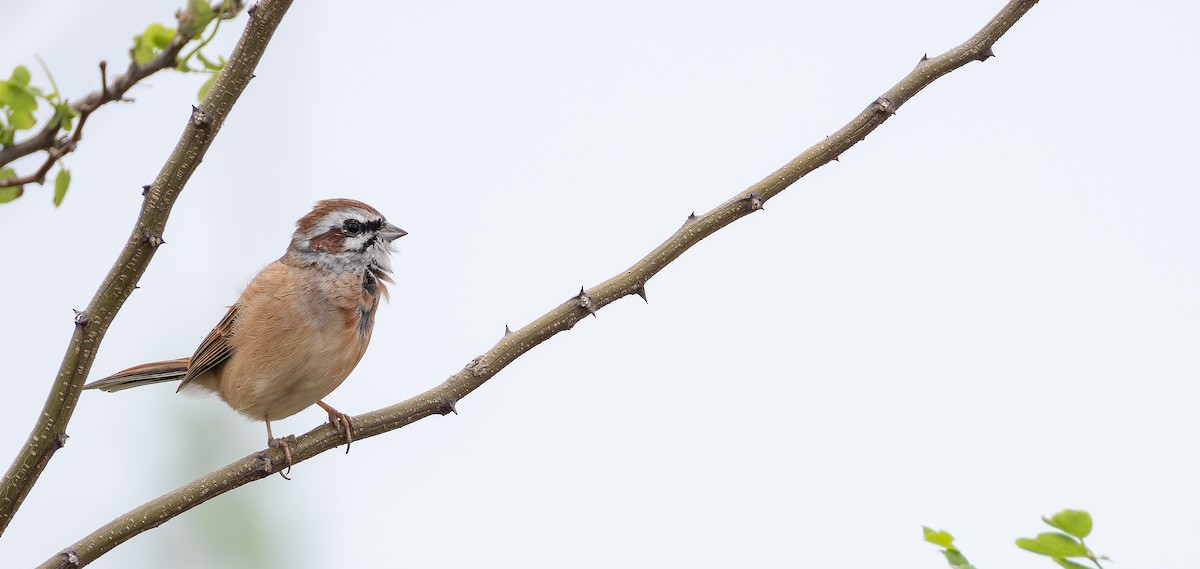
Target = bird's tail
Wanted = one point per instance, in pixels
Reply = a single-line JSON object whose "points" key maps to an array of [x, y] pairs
{"points": [[145, 374]]}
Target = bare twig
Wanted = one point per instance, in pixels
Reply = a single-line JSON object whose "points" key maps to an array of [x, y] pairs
{"points": [[61, 148], [91, 323], [39, 175], [441, 400], [103, 79]]}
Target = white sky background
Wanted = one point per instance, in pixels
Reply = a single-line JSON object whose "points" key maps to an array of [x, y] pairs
{"points": [[986, 312]]}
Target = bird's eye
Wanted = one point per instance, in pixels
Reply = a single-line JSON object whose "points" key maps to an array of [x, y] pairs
{"points": [[352, 227]]}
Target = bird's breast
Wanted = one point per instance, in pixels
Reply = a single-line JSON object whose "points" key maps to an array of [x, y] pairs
{"points": [[299, 334]]}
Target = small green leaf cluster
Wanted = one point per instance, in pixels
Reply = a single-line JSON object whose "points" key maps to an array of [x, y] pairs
{"points": [[1061, 546], [1067, 544], [944, 540], [199, 20], [150, 43], [193, 22], [18, 101]]}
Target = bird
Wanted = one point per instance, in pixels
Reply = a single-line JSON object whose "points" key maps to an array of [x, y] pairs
{"points": [[298, 329]]}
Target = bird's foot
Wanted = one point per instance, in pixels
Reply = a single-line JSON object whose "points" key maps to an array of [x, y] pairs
{"points": [[344, 425], [286, 444], [340, 421]]}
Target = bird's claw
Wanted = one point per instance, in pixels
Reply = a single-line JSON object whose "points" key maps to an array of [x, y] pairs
{"points": [[286, 444], [344, 425]]}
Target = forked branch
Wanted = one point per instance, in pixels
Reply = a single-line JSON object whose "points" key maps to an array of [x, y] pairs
{"points": [[111, 89], [114, 90]]}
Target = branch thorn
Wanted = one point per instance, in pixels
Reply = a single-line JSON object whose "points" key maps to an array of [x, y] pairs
{"points": [[478, 366], [586, 302], [885, 105], [507, 331], [264, 463], [60, 440], [450, 406], [145, 190], [82, 318], [153, 239], [641, 291], [754, 200], [985, 54], [201, 118]]}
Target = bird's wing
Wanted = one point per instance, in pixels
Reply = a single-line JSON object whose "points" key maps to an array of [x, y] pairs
{"points": [[214, 350]]}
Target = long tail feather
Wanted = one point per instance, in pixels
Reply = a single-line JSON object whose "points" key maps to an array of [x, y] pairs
{"points": [[145, 374]]}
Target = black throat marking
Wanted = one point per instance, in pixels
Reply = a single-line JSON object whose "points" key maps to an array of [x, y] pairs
{"points": [[368, 243], [366, 315]]}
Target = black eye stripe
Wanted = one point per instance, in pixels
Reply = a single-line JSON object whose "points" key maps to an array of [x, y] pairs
{"points": [[353, 226]]}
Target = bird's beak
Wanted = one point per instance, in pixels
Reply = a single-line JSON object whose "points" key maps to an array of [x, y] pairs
{"points": [[391, 233]]}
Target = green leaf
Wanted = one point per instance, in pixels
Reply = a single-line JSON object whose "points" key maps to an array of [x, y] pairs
{"points": [[151, 42], [20, 75], [1075, 522], [159, 35], [1053, 544], [17, 97], [939, 537], [23, 121], [9, 193], [208, 83], [209, 64], [1069, 564], [64, 113], [142, 51], [956, 559], [198, 16], [61, 181], [202, 9]]}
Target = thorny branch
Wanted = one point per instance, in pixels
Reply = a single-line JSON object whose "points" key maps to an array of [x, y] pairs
{"points": [[441, 400], [49, 434]]}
